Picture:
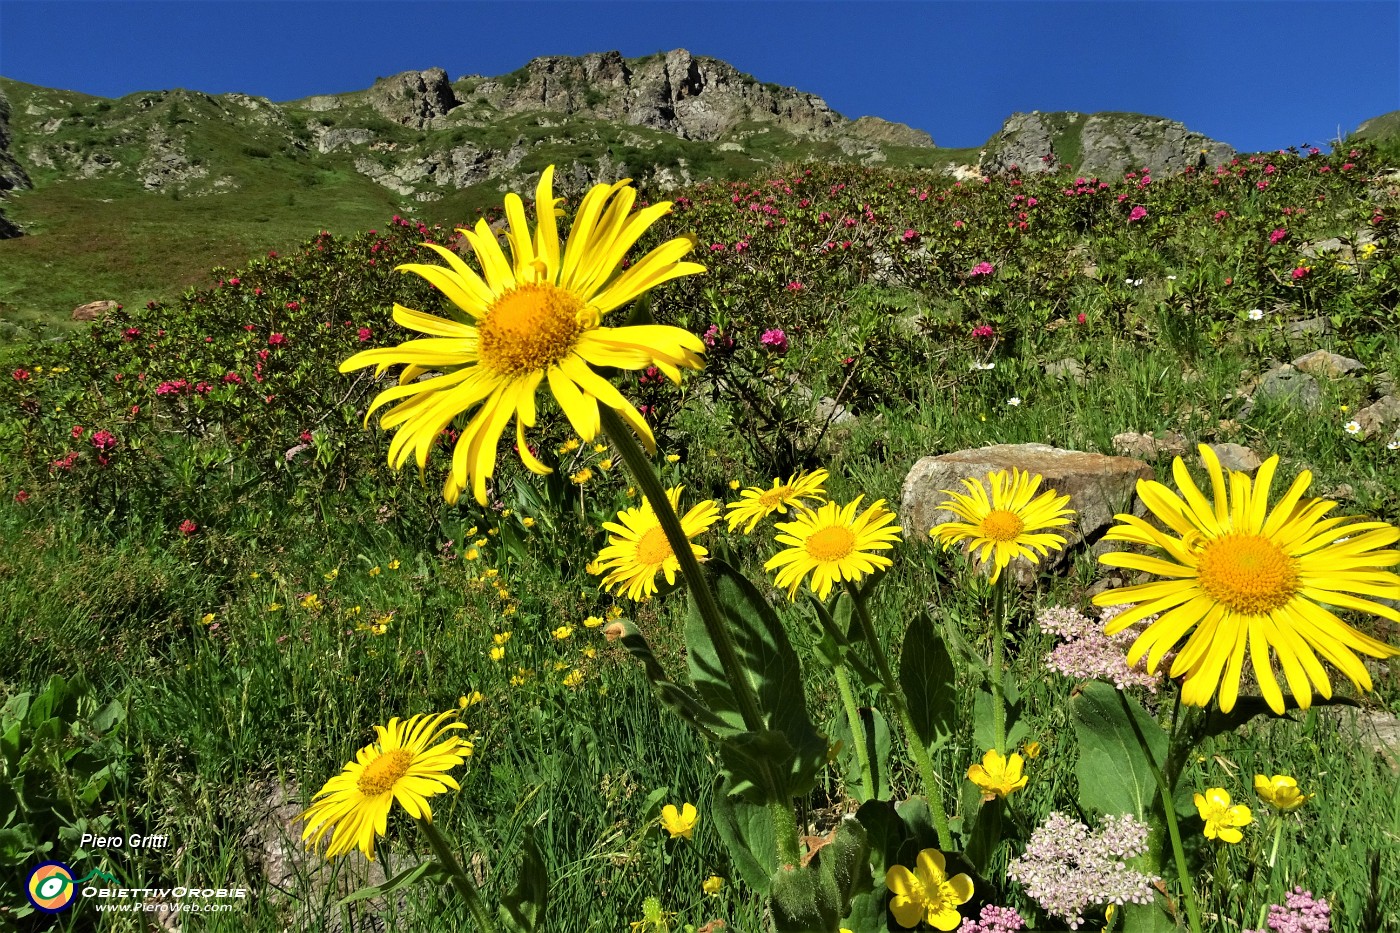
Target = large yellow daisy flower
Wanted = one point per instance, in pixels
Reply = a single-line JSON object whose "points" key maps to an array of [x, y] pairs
{"points": [[638, 548], [757, 503], [533, 318], [1244, 577], [833, 544], [927, 894], [1006, 523], [399, 766]]}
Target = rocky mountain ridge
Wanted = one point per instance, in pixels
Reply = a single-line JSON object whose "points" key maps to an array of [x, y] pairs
{"points": [[12, 175]]}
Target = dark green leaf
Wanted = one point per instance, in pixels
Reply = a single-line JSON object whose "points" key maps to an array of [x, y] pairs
{"points": [[1113, 771], [429, 870], [927, 677]]}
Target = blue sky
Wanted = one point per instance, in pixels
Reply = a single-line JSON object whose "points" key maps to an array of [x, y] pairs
{"points": [[1257, 75]]}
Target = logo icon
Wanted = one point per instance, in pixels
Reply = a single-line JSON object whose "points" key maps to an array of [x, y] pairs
{"points": [[50, 887]]}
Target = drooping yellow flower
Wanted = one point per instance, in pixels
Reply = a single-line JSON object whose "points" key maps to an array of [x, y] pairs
{"points": [[998, 775], [712, 885], [403, 764], [535, 317], [1221, 818], [927, 893], [757, 503], [1006, 522], [679, 822], [833, 544], [637, 547], [1280, 792], [1239, 577]]}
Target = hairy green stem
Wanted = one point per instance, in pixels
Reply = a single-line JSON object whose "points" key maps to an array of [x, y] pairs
{"points": [[922, 762], [998, 697], [784, 822], [848, 700], [1193, 912], [442, 850]]}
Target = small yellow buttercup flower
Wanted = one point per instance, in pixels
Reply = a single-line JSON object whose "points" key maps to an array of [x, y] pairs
{"points": [[569, 446], [374, 571], [582, 476], [563, 632], [471, 699], [273, 607], [712, 885], [998, 775], [1222, 819], [673, 458], [333, 574], [927, 893], [394, 564], [593, 621], [574, 678], [679, 822], [501, 638], [498, 652], [1032, 749], [312, 601], [209, 618], [528, 522], [605, 464], [1280, 792]]}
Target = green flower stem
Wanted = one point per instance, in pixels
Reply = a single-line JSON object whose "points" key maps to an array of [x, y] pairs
{"points": [[1193, 912], [780, 805], [848, 700], [998, 697], [442, 850], [922, 762], [1278, 834]]}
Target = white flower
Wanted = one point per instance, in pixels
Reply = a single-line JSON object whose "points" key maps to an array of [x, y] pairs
{"points": [[1171, 278], [1393, 445], [982, 367], [1353, 428], [1013, 401], [1257, 314]]}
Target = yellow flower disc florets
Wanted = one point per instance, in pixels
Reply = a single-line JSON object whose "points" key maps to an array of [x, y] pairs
{"points": [[381, 774], [1248, 573], [532, 327], [832, 543], [1002, 525], [772, 498], [654, 547]]}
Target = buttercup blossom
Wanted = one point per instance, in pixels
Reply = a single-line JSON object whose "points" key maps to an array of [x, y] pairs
{"points": [[679, 822], [1222, 820], [1280, 792], [998, 775], [927, 894]]}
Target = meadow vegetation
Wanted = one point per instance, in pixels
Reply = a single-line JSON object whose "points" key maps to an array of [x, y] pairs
{"points": [[208, 559]]}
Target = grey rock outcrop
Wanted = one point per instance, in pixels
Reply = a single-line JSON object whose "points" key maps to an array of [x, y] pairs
{"points": [[1107, 143], [1286, 387], [414, 98], [1326, 364], [12, 175]]}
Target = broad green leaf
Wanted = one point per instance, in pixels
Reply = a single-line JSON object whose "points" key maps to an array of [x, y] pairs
{"points": [[876, 736], [770, 667], [681, 701], [1113, 771], [525, 907], [927, 677], [747, 832]]}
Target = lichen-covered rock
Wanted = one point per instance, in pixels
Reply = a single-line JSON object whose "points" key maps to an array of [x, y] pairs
{"points": [[1025, 143], [413, 98], [1327, 364]]}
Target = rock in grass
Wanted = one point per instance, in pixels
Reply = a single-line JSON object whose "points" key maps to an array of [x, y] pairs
{"points": [[94, 310], [1237, 457], [1327, 365], [1378, 417], [1098, 486], [1287, 387], [1148, 446]]}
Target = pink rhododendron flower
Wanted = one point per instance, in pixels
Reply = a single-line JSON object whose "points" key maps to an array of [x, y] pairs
{"points": [[77, 431], [1221, 215], [1277, 236], [775, 340], [982, 268], [982, 331], [364, 334], [1137, 213], [276, 340], [103, 440], [188, 527], [1300, 272]]}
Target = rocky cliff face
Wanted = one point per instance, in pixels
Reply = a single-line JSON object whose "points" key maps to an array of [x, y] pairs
{"points": [[12, 176], [692, 96], [1107, 143]]}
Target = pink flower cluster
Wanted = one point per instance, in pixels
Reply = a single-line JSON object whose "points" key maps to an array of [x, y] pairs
{"points": [[994, 920], [982, 332], [20, 375], [1137, 213], [1066, 867], [1299, 913], [1278, 235], [775, 340], [188, 528], [715, 338], [104, 440], [1088, 654], [982, 268]]}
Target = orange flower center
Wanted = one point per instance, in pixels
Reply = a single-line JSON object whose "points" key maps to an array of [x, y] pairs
{"points": [[831, 543], [1247, 573], [531, 327], [1002, 525], [653, 548], [773, 498], [381, 774]]}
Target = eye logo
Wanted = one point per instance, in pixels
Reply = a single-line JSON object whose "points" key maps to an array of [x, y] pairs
{"points": [[51, 887]]}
